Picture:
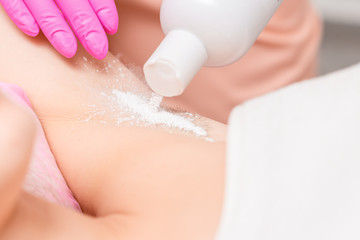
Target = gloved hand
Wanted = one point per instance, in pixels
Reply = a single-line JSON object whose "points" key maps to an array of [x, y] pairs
{"points": [[88, 18]]}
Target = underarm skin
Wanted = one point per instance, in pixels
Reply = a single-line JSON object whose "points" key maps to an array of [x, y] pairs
{"points": [[132, 182]]}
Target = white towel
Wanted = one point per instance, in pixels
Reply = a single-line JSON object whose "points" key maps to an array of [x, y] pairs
{"points": [[293, 167]]}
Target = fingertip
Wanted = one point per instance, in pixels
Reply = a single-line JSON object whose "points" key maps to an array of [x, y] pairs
{"points": [[100, 51], [109, 18], [25, 21], [69, 53], [111, 24], [112, 27], [32, 30], [97, 44], [65, 43]]}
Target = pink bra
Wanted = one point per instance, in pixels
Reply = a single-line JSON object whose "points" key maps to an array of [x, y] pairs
{"points": [[44, 178]]}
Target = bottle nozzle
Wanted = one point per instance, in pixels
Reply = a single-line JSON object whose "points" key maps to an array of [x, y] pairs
{"points": [[175, 63]]}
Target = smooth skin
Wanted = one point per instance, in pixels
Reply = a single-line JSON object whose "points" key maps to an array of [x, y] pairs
{"points": [[17, 130], [131, 182]]}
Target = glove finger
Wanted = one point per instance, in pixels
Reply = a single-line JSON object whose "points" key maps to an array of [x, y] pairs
{"points": [[107, 14], [52, 23], [21, 16], [86, 26]]}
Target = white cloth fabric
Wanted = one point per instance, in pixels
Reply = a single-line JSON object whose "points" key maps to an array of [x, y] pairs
{"points": [[293, 167]]}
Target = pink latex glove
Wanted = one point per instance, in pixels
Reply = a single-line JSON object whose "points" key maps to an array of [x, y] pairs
{"points": [[88, 18]]}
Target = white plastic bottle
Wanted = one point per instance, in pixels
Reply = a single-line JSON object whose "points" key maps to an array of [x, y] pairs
{"points": [[199, 33]]}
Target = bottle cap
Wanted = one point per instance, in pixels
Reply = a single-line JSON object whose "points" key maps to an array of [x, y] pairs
{"points": [[175, 63]]}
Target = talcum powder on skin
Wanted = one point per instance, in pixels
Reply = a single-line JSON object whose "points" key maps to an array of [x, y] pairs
{"points": [[137, 107]]}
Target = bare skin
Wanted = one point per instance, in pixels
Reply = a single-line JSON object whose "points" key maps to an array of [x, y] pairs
{"points": [[131, 182], [17, 132]]}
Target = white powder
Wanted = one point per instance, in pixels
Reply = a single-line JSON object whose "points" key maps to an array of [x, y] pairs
{"points": [[138, 109], [148, 111]]}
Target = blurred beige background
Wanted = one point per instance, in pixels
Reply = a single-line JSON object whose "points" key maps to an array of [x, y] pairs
{"points": [[341, 44]]}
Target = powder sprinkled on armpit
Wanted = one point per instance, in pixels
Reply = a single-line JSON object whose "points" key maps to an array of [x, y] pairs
{"points": [[147, 111], [131, 102]]}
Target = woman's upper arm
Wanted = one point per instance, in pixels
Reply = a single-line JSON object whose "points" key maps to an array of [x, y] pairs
{"points": [[170, 188]]}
